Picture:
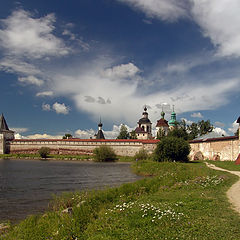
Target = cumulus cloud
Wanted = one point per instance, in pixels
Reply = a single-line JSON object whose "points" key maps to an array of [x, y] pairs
{"points": [[44, 94], [220, 132], [234, 127], [111, 134], [84, 134], [60, 108], [42, 136], [26, 35], [197, 115], [100, 80], [220, 20], [122, 71], [46, 107], [31, 80]]}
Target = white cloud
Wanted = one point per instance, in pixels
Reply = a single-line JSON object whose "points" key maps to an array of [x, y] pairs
{"points": [[85, 134], [42, 136], [44, 94], [18, 136], [60, 108], [220, 20], [24, 35], [19, 130], [122, 71], [31, 80], [197, 115], [111, 134], [219, 132], [16, 65], [234, 127], [46, 107], [168, 10]]}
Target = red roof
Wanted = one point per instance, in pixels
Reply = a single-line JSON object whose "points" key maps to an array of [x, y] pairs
{"points": [[87, 140], [162, 123], [214, 139], [139, 130]]}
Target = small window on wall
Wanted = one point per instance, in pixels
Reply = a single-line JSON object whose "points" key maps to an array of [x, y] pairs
{"points": [[138, 134], [143, 134]]}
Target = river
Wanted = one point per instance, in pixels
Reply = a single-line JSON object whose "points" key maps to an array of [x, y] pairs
{"points": [[27, 186]]}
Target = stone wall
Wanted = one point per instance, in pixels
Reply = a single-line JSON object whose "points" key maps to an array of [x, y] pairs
{"points": [[2, 144], [81, 146], [223, 149]]}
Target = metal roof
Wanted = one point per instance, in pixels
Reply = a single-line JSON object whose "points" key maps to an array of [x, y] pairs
{"points": [[3, 124]]}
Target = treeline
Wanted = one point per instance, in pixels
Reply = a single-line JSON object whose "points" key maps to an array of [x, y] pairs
{"points": [[188, 132], [182, 130]]}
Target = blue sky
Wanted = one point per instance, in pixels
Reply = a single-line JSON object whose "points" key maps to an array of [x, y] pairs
{"points": [[65, 64]]}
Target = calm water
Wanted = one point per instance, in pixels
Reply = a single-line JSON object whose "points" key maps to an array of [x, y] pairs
{"points": [[27, 186]]}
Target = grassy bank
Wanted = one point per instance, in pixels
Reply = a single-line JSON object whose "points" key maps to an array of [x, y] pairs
{"points": [[60, 157], [179, 201], [229, 165]]}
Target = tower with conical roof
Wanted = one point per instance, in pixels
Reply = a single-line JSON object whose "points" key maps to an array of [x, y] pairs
{"points": [[99, 134], [173, 121], [5, 135], [144, 129]]}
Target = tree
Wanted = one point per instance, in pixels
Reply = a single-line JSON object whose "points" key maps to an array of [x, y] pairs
{"points": [[142, 154], [193, 131], [179, 133], [133, 135], [67, 136], [44, 152], [205, 127], [123, 134], [104, 154], [172, 149]]}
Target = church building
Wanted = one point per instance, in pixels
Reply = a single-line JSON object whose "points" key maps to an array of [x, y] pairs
{"points": [[144, 129], [99, 134], [162, 126]]}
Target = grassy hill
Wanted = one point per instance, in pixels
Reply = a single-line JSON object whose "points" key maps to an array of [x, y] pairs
{"points": [[174, 201]]}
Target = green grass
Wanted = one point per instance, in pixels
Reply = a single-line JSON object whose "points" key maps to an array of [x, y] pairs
{"points": [[179, 201], [229, 165], [63, 157], [51, 156]]}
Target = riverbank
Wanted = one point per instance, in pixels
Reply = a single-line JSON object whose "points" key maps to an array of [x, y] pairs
{"points": [[179, 201], [60, 157]]}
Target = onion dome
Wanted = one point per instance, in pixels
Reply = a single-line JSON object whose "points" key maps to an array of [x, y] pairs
{"points": [[172, 121], [145, 118]]}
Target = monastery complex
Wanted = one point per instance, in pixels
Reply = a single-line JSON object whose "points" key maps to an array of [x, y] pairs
{"points": [[222, 148]]}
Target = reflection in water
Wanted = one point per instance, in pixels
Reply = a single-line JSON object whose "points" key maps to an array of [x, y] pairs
{"points": [[26, 186]]}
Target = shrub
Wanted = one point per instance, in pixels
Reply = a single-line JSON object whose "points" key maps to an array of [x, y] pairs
{"points": [[44, 152], [104, 154], [141, 155], [172, 149]]}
